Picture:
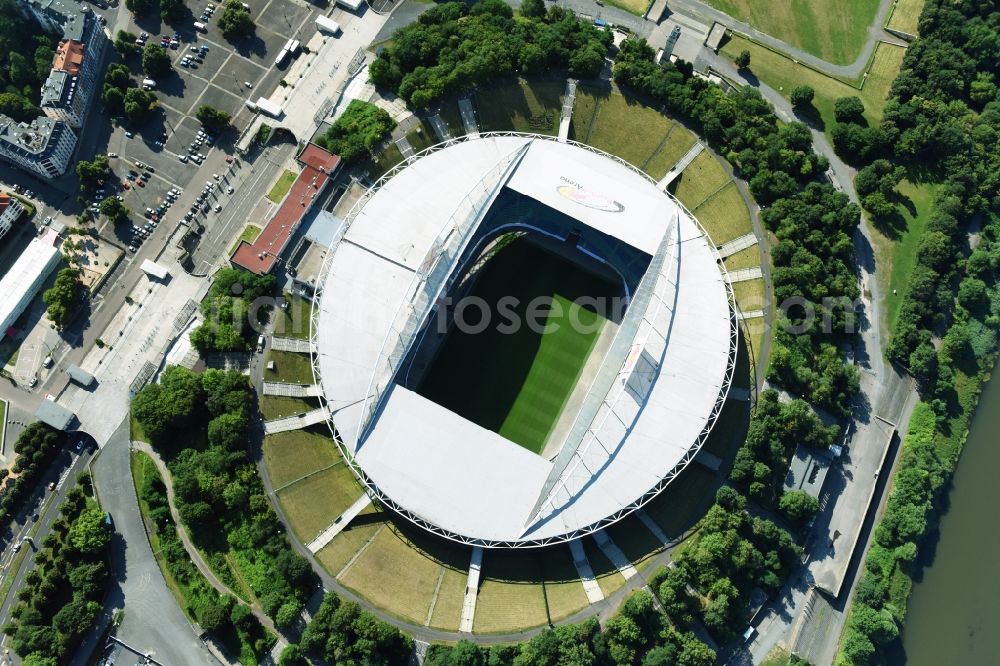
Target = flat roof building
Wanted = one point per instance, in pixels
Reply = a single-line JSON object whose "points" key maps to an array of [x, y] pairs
{"points": [[53, 414], [10, 211], [261, 255], [21, 283]]}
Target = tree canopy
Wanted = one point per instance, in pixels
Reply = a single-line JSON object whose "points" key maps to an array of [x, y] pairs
{"points": [[235, 21], [358, 129], [62, 298], [155, 60], [453, 46], [212, 118], [26, 55]]}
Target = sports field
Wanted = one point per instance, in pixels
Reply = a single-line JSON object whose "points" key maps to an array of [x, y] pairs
{"points": [[515, 381]]}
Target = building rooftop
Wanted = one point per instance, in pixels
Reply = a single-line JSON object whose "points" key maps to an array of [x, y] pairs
{"points": [[52, 413], [58, 89], [30, 137], [807, 470], [260, 256], [69, 56]]}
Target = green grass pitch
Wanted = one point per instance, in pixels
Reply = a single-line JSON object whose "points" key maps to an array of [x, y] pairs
{"points": [[517, 383]]}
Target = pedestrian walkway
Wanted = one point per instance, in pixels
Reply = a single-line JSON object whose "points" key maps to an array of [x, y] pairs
{"points": [[751, 314], [471, 590], [286, 390], [291, 345], [730, 248], [682, 164], [337, 526], [468, 117], [585, 572], [567, 110], [439, 128], [745, 274], [615, 554], [297, 422]]}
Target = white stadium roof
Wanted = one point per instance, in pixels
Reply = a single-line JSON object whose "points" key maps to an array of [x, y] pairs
{"points": [[649, 412]]}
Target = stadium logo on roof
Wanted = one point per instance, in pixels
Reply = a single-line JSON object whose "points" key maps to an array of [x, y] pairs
{"points": [[578, 194]]}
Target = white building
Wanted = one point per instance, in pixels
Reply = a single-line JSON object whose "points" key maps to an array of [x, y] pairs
{"points": [[22, 282], [10, 211]]}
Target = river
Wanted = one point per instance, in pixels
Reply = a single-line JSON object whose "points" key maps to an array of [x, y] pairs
{"points": [[954, 613]]}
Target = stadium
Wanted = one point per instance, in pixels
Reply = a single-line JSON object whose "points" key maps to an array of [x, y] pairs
{"points": [[519, 341]]}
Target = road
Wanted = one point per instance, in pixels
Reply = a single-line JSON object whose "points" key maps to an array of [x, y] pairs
{"points": [[886, 396], [153, 620]]}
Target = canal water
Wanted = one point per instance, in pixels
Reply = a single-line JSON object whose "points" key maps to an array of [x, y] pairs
{"points": [[954, 612]]}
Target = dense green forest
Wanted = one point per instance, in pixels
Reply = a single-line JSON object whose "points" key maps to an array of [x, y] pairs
{"points": [[453, 46], [26, 54]]}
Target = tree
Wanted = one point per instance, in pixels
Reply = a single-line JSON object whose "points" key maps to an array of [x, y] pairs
{"points": [[61, 298], [802, 97], [798, 506], [214, 614], [118, 75], [75, 618], [90, 533], [849, 110], [533, 8], [92, 173], [155, 60], [743, 60], [292, 656], [114, 210], [125, 43], [213, 118], [235, 20], [138, 7], [172, 11], [357, 131], [138, 103], [289, 613]]}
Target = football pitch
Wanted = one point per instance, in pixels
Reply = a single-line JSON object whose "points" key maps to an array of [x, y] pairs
{"points": [[516, 382]]}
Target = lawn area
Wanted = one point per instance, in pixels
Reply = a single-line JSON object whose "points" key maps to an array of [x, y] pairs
{"points": [[906, 15], [249, 234], [635, 540], [834, 30], [312, 504], [422, 136], [896, 244], [275, 406], [289, 367], [702, 178], [749, 294], [679, 140], [520, 105], [684, 501], [629, 129], [281, 187], [724, 215], [3, 419], [563, 588], [782, 73], [289, 455], [510, 593], [384, 160], [452, 117], [335, 555], [746, 258], [520, 394], [447, 613], [637, 7], [584, 109], [293, 321], [608, 578], [395, 576]]}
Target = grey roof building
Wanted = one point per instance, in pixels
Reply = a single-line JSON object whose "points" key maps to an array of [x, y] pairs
{"points": [[55, 415]]}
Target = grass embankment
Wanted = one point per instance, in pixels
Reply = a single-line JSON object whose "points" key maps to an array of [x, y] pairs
{"points": [[834, 30], [524, 106], [896, 241], [724, 215], [782, 73], [293, 321], [282, 186], [291, 367], [637, 7], [627, 128], [249, 234], [905, 16]]}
